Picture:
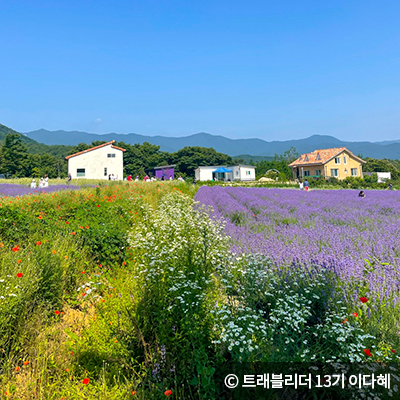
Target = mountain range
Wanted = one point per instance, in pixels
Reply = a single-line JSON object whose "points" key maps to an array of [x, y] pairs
{"points": [[232, 147]]}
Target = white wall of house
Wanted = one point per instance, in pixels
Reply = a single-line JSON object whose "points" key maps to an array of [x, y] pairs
{"points": [[243, 172], [97, 164], [204, 173]]}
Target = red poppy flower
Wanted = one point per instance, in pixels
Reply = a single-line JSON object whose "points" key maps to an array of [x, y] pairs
{"points": [[17, 369], [38, 243], [40, 217], [16, 248], [67, 222], [355, 314], [73, 233], [392, 351], [86, 381], [57, 312], [133, 392], [168, 393], [87, 227], [345, 320], [26, 362], [98, 205], [19, 275], [363, 299], [367, 352]]}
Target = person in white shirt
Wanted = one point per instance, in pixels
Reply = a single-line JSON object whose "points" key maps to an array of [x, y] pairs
{"points": [[33, 184]]}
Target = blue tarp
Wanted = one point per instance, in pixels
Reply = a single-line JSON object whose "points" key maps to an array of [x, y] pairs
{"points": [[222, 170]]}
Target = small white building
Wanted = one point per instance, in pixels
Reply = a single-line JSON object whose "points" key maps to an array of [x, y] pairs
{"points": [[383, 176], [236, 173], [243, 172], [97, 162]]}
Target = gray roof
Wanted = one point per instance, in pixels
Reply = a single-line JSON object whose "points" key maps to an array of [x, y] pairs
{"points": [[165, 166]]}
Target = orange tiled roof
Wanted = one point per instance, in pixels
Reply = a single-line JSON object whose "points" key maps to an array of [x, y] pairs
{"points": [[321, 156], [95, 148]]}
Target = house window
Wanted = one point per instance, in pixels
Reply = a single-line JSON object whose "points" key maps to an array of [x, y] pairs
{"points": [[337, 160], [334, 172], [237, 173], [105, 171], [318, 172], [112, 155], [344, 160], [248, 173], [354, 172], [306, 158], [80, 172], [318, 157], [306, 173]]}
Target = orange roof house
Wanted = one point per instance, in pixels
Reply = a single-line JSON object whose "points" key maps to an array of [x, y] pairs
{"points": [[99, 162], [95, 148], [337, 163]]}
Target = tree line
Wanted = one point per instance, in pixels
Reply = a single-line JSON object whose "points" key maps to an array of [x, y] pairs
{"points": [[20, 157]]}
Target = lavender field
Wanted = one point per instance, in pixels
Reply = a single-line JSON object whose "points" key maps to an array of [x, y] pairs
{"points": [[356, 238], [13, 190]]}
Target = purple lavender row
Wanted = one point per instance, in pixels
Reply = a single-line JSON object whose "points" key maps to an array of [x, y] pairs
{"points": [[330, 229], [12, 190]]}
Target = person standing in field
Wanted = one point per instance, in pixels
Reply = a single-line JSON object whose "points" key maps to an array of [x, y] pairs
{"points": [[306, 185], [301, 186], [129, 178], [194, 181]]}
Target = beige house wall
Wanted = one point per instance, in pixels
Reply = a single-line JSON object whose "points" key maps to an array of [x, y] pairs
{"points": [[344, 170], [95, 161], [312, 169]]}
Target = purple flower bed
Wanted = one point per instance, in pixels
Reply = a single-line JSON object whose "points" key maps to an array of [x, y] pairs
{"points": [[8, 189], [330, 229]]}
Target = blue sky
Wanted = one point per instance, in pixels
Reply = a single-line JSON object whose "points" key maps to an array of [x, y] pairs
{"points": [[275, 70]]}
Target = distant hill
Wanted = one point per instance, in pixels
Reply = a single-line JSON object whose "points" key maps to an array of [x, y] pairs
{"points": [[5, 130], [33, 146], [232, 147]]}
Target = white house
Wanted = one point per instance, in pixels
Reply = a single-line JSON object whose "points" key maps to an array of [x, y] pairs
{"points": [[97, 162], [234, 173]]}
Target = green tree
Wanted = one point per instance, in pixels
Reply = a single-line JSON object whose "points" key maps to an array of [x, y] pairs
{"points": [[14, 156], [189, 158], [375, 165]]}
